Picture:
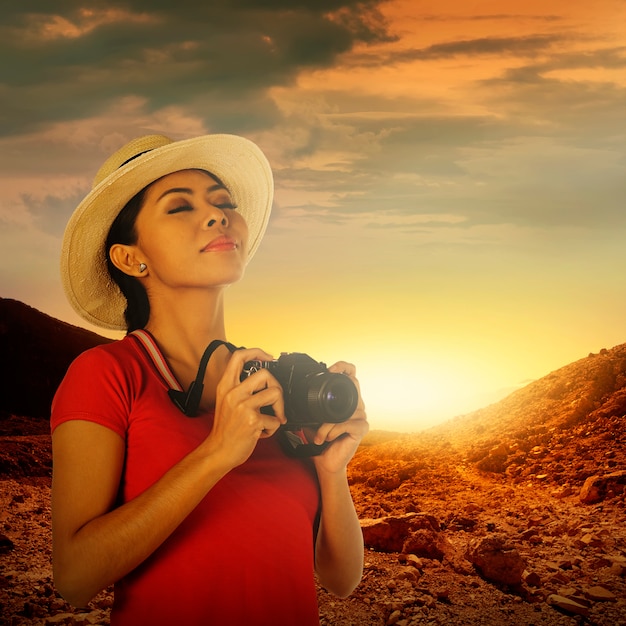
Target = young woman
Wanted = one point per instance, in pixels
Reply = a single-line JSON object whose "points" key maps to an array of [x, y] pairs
{"points": [[196, 520]]}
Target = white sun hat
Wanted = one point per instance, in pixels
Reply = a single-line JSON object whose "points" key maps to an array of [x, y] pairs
{"points": [[236, 161]]}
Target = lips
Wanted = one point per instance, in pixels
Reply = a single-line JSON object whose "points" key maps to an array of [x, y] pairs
{"points": [[220, 244]]}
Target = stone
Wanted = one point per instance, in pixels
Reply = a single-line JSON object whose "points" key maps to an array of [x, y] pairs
{"points": [[496, 560], [589, 540], [597, 488], [532, 579], [388, 534], [599, 593], [60, 618], [413, 560], [6, 545], [570, 606], [408, 573]]}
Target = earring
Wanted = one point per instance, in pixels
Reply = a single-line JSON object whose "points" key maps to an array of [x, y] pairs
{"points": [[142, 268]]}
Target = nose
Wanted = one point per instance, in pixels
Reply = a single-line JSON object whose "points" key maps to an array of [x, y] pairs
{"points": [[216, 216]]}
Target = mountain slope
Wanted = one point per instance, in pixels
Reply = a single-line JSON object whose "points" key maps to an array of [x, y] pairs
{"points": [[574, 415], [35, 352]]}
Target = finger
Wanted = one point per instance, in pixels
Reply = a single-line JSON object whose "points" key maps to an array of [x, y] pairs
{"points": [[232, 373], [357, 426], [231, 385], [343, 367], [269, 428], [270, 394]]}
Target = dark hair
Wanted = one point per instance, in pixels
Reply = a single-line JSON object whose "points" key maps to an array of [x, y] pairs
{"points": [[123, 231]]}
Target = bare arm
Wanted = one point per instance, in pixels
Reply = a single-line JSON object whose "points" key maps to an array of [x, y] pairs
{"points": [[95, 544], [339, 546]]}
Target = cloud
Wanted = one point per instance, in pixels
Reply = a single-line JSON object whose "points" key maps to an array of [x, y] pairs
{"points": [[397, 172], [488, 17], [525, 45], [546, 150], [69, 61], [539, 152]]}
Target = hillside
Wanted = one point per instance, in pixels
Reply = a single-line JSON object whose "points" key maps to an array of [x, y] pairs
{"points": [[35, 350], [513, 514]]}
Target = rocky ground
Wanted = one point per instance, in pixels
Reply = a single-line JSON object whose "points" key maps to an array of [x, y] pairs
{"points": [[448, 543]]}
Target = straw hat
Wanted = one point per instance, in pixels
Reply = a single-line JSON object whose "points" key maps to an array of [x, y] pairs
{"points": [[236, 161]]}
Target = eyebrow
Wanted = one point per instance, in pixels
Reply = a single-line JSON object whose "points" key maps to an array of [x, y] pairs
{"points": [[189, 191]]}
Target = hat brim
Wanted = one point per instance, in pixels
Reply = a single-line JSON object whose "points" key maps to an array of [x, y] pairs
{"points": [[236, 161]]}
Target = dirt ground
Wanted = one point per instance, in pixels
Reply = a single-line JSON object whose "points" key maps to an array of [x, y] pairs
{"points": [[569, 548]]}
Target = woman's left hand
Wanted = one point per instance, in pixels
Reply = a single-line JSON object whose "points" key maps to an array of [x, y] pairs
{"points": [[344, 437]]}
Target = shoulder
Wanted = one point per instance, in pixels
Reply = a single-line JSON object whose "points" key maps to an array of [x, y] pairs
{"points": [[102, 378], [122, 358], [115, 351]]}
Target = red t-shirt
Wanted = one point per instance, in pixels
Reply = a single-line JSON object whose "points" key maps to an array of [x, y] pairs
{"points": [[244, 556]]}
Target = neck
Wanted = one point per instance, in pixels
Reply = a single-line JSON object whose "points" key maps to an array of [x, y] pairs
{"points": [[183, 327]]}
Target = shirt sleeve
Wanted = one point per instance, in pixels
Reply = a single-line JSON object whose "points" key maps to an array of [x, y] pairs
{"points": [[94, 389]]}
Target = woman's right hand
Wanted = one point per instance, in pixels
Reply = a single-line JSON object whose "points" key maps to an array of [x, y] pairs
{"points": [[239, 422]]}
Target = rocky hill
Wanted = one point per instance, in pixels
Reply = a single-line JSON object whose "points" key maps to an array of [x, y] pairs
{"points": [[35, 350], [514, 514]]}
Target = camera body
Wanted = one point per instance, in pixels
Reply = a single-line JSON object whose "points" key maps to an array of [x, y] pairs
{"points": [[312, 395]]}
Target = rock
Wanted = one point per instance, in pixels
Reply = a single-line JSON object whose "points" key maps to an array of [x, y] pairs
{"points": [[427, 544], [6, 545], [413, 560], [458, 522], [496, 560], [568, 592], [599, 593], [384, 535], [562, 492], [408, 573], [388, 534], [60, 618], [560, 578], [617, 565], [495, 461], [531, 535], [589, 540], [532, 579], [570, 606], [597, 488]]}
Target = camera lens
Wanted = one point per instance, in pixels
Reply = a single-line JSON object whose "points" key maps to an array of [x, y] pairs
{"points": [[336, 399], [332, 397]]}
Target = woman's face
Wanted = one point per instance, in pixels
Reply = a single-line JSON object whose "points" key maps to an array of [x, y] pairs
{"points": [[189, 232]]}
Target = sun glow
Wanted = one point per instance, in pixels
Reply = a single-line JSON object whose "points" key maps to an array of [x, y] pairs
{"points": [[415, 396]]}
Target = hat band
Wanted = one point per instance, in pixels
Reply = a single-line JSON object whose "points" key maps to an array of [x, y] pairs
{"points": [[134, 157]]}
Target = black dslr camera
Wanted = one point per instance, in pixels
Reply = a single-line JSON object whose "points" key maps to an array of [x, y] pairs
{"points": [[312, 395]]}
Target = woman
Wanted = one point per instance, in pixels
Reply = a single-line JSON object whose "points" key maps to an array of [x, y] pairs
{"points": [[199, 520]]}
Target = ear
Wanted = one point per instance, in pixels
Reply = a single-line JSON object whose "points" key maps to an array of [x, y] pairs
{"points": [[125, 259]]}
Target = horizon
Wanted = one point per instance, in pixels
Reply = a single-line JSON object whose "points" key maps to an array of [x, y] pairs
{"points": [[396, 425], [449, 180]]}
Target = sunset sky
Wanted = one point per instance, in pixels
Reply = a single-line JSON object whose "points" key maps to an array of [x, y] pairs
{"points": [[450, 208]]}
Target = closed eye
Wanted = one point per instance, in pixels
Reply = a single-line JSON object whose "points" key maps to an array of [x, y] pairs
{"points": [[226, 205], [180, 209]]}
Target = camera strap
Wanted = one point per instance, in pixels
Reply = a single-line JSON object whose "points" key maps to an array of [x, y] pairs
{"points": [[295, 444], [189, 401]]}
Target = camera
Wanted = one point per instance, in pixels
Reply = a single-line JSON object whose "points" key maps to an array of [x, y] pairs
{"points": [[312, 395]]}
